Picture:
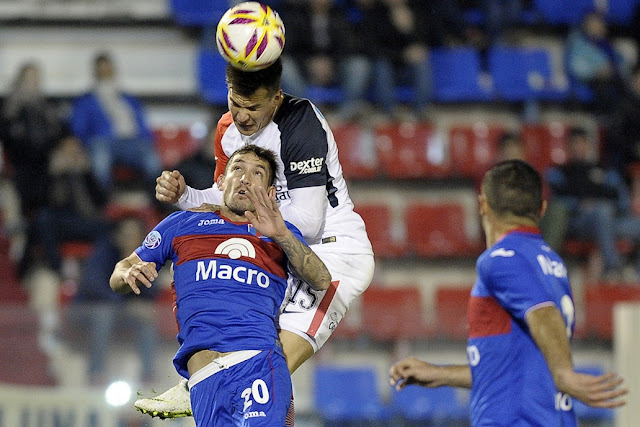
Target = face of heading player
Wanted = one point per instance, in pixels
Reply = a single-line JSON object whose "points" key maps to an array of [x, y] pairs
{"points": [[250, 114], [244, 171]]}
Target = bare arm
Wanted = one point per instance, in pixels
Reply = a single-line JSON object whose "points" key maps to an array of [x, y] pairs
{"points": [[549, 332], [268, 221], [130, 272], [414, 371]]}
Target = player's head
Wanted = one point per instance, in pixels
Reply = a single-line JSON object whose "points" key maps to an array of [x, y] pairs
{"points": [[103, 68], [513, 191], [249, 166], [579, 144], [254, 96]]}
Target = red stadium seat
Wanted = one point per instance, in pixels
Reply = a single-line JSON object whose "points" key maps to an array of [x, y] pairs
{"points": [[599, 302], [451, 309], [380, 225], [474, 148], [356, 149], [545, 144], [438, 230], [411, 150], [389, 314], [174, 144]]}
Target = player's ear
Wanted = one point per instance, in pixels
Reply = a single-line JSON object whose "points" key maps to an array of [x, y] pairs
{"points": [[543, 208], [278, 95], [220, 182], [271, 192]]}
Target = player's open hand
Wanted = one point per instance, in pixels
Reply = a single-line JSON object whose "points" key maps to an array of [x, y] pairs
{"points": [[266, 218], [414, 371], [599, 391], [140, 272], [170, 185]]}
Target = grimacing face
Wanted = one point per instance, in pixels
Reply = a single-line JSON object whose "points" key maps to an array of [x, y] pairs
{"points": [[250, 114], [243, 171]]}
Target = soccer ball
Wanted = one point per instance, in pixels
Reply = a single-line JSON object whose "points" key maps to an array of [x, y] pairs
{"points": [[250, 36]]}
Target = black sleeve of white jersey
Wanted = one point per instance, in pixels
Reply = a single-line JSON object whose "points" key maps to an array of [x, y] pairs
{"points": [[304, 144]]}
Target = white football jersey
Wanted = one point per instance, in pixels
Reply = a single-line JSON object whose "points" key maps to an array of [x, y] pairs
{"points": [[308, 157]]}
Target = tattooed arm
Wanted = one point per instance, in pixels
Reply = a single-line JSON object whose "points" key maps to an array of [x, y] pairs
{"points": [[267, 219]]}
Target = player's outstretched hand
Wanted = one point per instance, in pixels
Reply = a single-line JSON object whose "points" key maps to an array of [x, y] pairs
{"points": [[170, 185], [267, 218], [599, 391], [414, 371], [140, 272]]}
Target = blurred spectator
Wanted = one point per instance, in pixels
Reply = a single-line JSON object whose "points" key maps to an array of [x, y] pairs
{"points": [[112, 125], [30, 129], [74, 211], [400, 53], [597, 201], [622, 145], [321, 50], [501, 16], [510, 147], [198, 168], [593, 61], [107, 310], [12, 224]]}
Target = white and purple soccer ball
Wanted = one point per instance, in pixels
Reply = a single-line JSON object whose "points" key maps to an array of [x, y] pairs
{"points": [[250, 36]]}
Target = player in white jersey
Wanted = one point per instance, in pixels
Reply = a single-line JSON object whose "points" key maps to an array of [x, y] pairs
{"points": [[312, 194]]}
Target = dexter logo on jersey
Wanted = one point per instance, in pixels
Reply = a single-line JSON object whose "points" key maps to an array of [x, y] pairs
{"points": [[312, 165]]}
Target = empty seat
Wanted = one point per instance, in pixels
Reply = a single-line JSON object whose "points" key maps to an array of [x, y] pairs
{"points": [[599, 302], [457, 76], [389, 314], [521, 74], [621, 12], [474, 148], [436, 230], [356, 149], [562, 12], [385, 234], [451, 312], [411, 150], [545, 144], [442, 405], [343, 394], [211, 77], [198, 12], [173, 144]]}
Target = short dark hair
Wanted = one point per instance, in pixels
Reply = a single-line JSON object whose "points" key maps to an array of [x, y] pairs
{"points": [[246, 83], [514, 187], [263, 153], [578, 132]]}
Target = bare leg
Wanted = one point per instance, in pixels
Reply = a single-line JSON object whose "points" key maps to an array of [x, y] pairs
{"points": [[296, 349]]}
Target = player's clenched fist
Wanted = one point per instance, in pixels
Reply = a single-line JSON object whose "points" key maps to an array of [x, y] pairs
{"points": [[170, 185]]}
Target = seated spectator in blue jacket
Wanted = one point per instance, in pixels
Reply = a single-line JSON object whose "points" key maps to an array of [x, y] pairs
{"points": [[113, 127], [593, 61], [108, 312], [597, 201]]}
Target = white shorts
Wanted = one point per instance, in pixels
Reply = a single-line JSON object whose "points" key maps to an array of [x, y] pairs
{"points": [[314, 315]]}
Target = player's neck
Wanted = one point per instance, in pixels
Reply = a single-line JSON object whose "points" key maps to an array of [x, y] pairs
{"points": [[232, 215], [496, 230]]}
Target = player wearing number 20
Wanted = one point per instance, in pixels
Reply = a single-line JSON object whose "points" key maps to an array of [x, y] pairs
{"points": [[521, 318], [230, 273]]}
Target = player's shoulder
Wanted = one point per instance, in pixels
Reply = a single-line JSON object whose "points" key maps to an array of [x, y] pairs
{"points": [[224, 122], [297, 111]]}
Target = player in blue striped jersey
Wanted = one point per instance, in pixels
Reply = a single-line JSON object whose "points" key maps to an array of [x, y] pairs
{"points": [[230, 273], [521, 318]]}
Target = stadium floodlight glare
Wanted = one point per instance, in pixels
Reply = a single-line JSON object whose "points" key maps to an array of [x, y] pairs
{"points": [[118, 393]]}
